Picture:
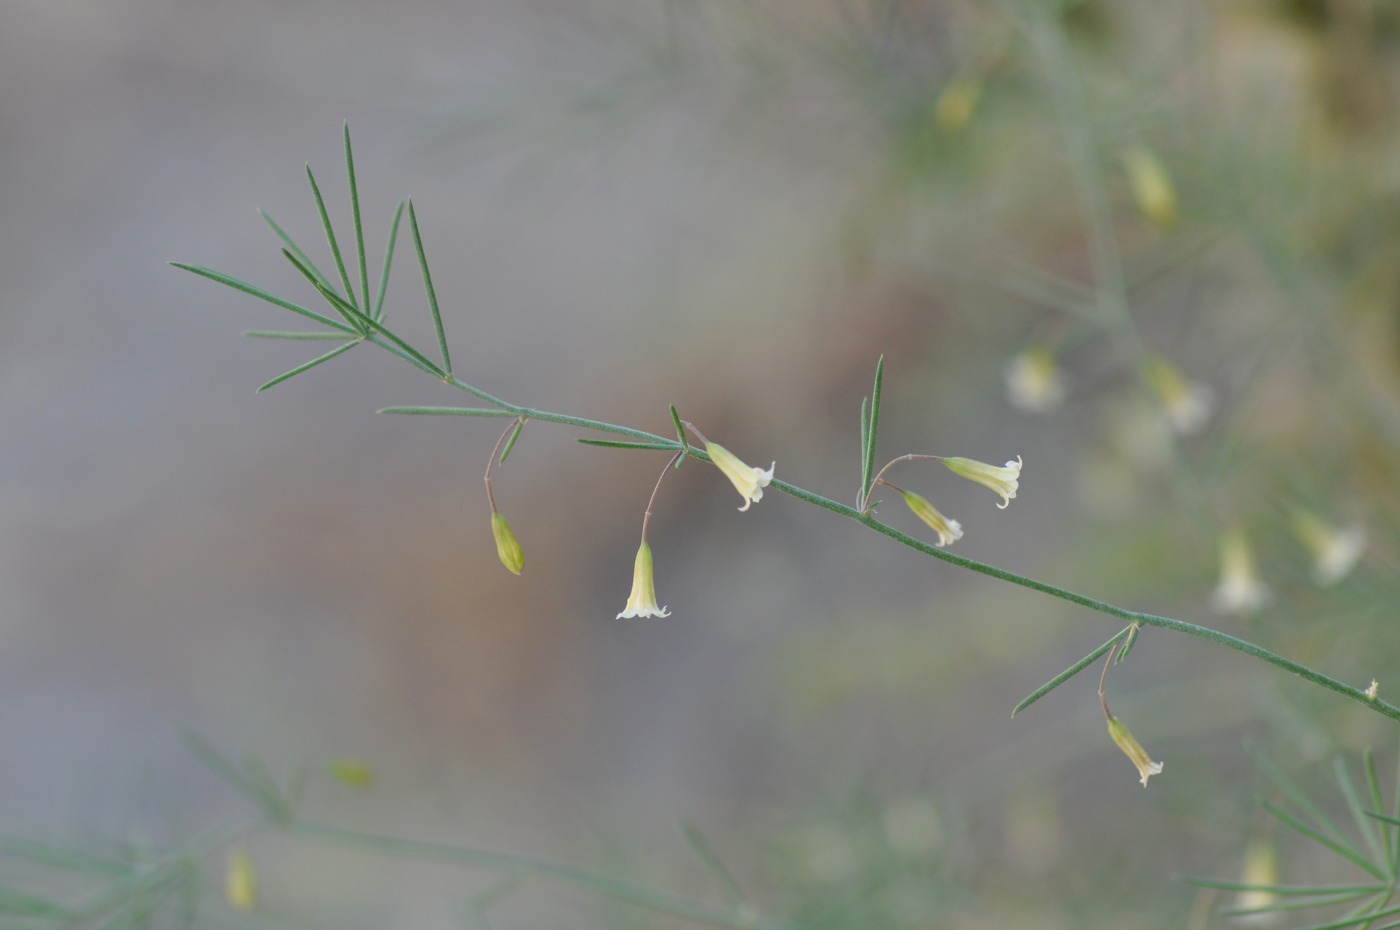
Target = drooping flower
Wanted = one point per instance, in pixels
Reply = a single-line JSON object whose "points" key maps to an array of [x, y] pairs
{"points": [[956, 104], [1133, 749], [949, 531], [1187, 404], [642, 601], [1260, 873], [1034, 382], [1003, 480], [1335, 550], [241, 882], [507, 546], [1151, 186], [1240, 592], [747, 480]]}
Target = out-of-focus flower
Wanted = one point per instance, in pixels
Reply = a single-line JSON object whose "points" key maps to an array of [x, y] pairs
{"points": [[642, 601], [1261, 871], [1335, 550], [747, 480], [352, 773], [1240, 592], [913, 826], [956, 104], [1187, 404], [1133, 749], [1034, 382], [241, 882], [1373, 691], [1151, 186], [1003, 480], [948, 531], [507, 546]]}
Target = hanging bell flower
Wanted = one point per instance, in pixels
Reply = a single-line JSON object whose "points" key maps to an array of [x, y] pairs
{"points": [[642, 601]]}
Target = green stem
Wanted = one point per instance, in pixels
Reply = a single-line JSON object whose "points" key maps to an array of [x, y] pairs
{"points": [[1001, 574]]}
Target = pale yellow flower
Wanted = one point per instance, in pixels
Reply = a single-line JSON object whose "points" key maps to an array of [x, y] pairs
{"points": [[747, 480], [1373, 691], [956, 103], [948, 531], [1261, 871], [507, 546], [1187, 404], [1335, 550], [1133, 749], [1151, 186], [1034, 382], [642, 601], [1240, 592], [1003, 480], [241, 882]]}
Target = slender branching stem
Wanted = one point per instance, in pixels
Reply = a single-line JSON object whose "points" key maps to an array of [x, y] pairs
{"points": [[870, 522], [1103, 677], [907, 457], [646, 518], [514, 425]]}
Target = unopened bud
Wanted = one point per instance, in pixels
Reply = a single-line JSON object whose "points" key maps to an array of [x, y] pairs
{"points": [[507, 546]]}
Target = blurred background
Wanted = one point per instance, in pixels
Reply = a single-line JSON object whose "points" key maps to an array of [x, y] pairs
{"points": [[1153, 249]]}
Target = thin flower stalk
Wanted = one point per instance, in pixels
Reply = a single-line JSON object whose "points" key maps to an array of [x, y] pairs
{"points": [[508, 548], [642, 600], [1119, 732]]}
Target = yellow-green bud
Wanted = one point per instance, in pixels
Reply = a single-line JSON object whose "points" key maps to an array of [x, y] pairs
{"points": [[1133, 749], [507, 546], [1152, 187], [949, 531], [241, 882]]}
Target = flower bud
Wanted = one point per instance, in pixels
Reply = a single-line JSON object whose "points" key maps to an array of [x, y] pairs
{"points": [[949, 531], [1152, 187], [241, 882], [507, 546]]}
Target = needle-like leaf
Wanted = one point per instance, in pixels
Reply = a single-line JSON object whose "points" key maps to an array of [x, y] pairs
{"points": [[319, 360], [428, 286], [359, 228], [1068, 673], [261, 294], [337, 302], [295, 249], [1341, 847], [330, 235], [510, 443], [617, 444], [22, 904], [450, 411], [865, 465], [1364, 825], [388, 260], [1305, 803], [872, 433], [707, 856], [280, 334], [58, 857]]}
